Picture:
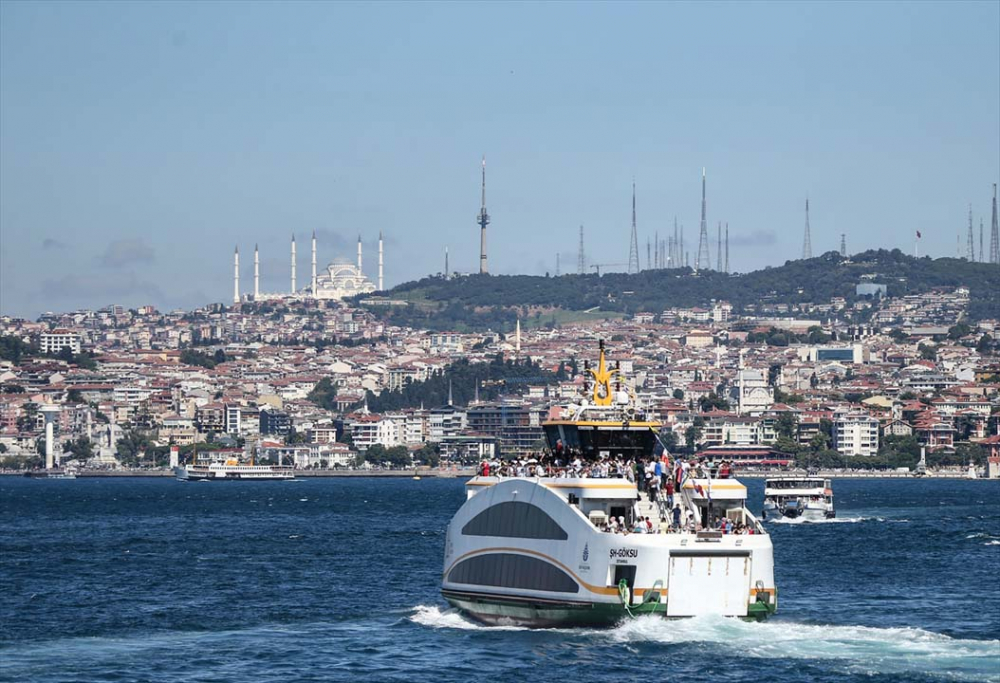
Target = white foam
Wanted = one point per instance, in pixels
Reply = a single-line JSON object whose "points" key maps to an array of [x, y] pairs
{"points": [[861, 648], [434, 617], [992, 543]]}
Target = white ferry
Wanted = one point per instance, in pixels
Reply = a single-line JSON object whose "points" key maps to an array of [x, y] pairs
{"points": [[809, 498], [233, 470], [537, 551]]}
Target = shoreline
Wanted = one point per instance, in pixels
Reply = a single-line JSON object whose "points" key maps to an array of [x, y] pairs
{"points": [[468, 473]]}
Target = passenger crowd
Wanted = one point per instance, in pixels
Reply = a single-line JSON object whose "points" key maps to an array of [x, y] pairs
{"points": [[659, 478]]}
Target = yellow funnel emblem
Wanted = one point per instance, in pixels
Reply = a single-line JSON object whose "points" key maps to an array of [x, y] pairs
{"points": [[602, 381]]}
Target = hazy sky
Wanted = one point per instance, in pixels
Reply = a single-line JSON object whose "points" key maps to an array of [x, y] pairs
{"points": [[140, 142]]}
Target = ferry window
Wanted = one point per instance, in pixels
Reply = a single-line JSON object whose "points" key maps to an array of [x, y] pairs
{"points": [[513, 519], [508, 570]]}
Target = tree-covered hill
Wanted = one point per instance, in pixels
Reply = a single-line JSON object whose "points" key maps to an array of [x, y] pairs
{"points": [[480, 301]]}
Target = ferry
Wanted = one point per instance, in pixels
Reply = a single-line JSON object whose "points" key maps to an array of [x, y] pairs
{"points": [[54, 473], [233, 470], [808, 498], [545, 551]]}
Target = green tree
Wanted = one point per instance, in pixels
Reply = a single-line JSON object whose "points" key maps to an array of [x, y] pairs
{"points": [[82, 449], [678, 394], [324, 394], [786, 425]]}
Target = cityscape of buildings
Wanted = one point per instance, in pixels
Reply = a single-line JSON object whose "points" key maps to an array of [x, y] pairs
{"points": [[743, 386]]}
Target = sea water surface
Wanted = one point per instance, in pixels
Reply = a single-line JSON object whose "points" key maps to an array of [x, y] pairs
{"points": [[337, 580]]}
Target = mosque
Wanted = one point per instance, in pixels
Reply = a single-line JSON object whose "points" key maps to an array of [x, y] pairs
{"points": [[340, 279]]}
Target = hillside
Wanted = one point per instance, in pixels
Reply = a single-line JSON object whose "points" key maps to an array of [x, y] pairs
{"points": [[495, 301]]}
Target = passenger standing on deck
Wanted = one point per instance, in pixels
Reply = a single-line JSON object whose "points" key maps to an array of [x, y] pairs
{"points": [[677, 516], [669, 492], [640, 476]]}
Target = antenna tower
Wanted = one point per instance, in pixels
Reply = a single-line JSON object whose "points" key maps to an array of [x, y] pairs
{"points": [[727, 248], [970, 246], [581, 259], [995, 232], [703, 260], [843, 245], [633, 249], [718, 249], [807, 250]]}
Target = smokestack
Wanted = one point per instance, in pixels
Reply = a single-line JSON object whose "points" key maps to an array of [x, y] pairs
{"points": [[256, 274], [236, 276], [293, 264], [380, 283]]}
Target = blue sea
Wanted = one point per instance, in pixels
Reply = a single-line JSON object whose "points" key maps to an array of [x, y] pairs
{"points": [[337, 580]]}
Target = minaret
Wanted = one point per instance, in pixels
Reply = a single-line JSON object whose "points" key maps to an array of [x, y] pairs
{"points": [[581, 259], [727, 248], [633, 247], [483, 220], [293, 264], [380, 283], [256, 274], [517, 338], [807, 251], [313, 283], [704, 260], [718, 249], [236, 276], [359, 254], [971, 241], [447, 272]]}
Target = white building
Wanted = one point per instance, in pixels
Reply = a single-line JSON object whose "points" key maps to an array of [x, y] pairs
{"points": [[57, 340], [855, 434], [368, 431], [751, 393]]}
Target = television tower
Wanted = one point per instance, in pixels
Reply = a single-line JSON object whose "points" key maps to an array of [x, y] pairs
{"points": [[807, 250], [633, 248], [970, 246], [581, 258], [557, 264], [649, 253], [483, 220], [447, 272], [676, 254], [843, 245], [995, 232], [703, 260]]}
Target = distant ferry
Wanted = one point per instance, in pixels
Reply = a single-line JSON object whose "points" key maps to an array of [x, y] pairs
{"points": [[233, 470], [810, 498], [51, 474]]}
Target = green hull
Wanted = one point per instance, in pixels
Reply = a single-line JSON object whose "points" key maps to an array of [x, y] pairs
{"points": [[497, 610]]}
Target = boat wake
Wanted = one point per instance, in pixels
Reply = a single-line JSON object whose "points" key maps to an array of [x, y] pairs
{"points": [[862, 649], [434, 617], [988, 539], [834, 520], [855, 649]]}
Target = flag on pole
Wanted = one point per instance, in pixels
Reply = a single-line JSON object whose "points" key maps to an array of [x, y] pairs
{"points": [[918, 234]]}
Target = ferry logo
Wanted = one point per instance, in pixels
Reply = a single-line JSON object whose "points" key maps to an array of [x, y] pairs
{"points": [[586, 552]]}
